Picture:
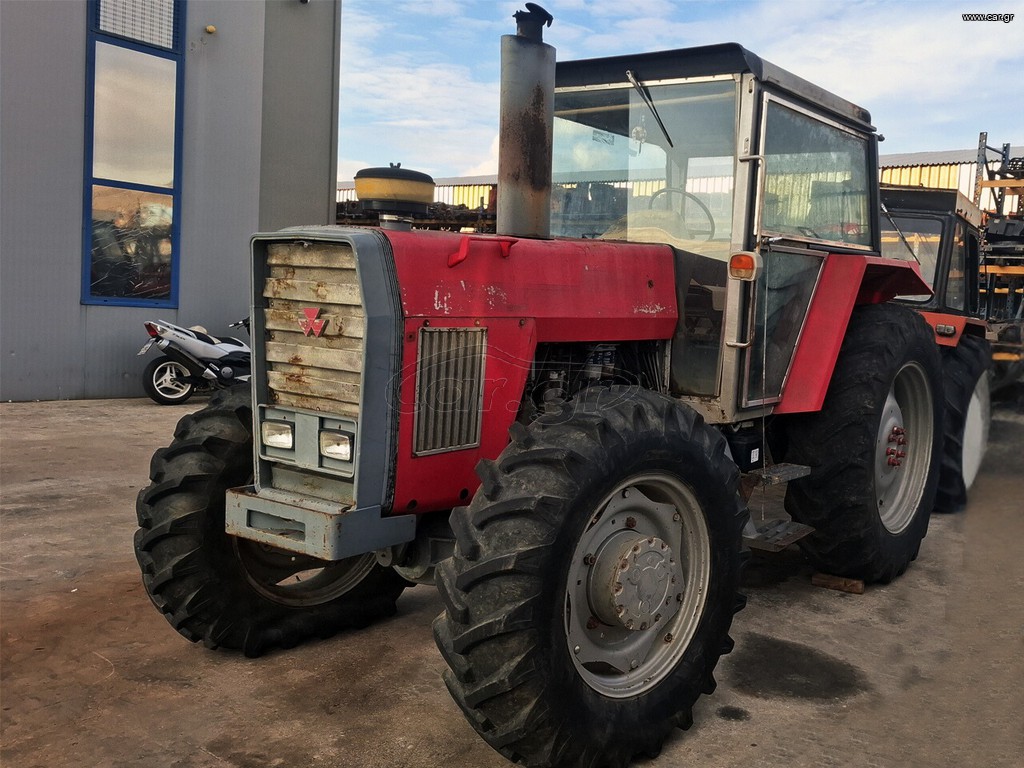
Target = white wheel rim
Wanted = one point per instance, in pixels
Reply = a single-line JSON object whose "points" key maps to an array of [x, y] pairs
{"points": [[167, 380], [975, 438], [903, 448]]}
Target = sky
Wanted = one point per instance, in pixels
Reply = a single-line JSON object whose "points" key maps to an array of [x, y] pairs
{"points": [[419, 78]]}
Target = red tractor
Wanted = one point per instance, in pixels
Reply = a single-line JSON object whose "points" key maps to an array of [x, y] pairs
{"points": [[559, 423], [940, 229]]}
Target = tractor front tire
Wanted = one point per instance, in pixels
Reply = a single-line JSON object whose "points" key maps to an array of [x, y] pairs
{"points": [[225, 591], [594, 581], [968, 411], [874, 449]]}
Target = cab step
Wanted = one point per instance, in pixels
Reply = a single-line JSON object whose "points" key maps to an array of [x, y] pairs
{"points": [[777, 474], [775, 535]]}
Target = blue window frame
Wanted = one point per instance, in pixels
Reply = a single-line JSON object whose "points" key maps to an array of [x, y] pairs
{"points": [[131, 229]]}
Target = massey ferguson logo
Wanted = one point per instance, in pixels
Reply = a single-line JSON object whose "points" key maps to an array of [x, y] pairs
{"points": [[311, 325]]}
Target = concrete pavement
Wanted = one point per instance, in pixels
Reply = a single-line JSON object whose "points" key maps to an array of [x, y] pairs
{"points": [[927, 672]]}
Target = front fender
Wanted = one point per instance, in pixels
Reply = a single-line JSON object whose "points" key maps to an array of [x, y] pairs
{"points": [[847, 280]]}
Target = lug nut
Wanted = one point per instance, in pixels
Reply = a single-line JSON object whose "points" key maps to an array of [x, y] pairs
{"points": [[668, 638], [592, 623], [631, 522], [589, 560]]}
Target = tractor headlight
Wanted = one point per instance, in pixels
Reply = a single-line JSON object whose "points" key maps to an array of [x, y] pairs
{"points": [[335, 445], [277, 434]]}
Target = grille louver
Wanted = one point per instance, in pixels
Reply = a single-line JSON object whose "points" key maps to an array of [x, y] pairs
{"points": [[319, 373], [449, 389]]}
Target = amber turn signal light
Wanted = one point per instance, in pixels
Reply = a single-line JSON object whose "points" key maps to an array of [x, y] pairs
{"points": [[744, 265]]}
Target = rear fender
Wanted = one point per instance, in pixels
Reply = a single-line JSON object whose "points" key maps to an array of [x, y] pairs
{"points": [[847, 280], [949, 328]]}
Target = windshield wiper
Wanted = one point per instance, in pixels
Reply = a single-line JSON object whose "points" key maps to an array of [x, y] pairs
{"points": [[646, 96], [899, 231]]}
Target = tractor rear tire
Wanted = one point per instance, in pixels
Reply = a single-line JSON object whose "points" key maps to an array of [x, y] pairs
{"points": [[874, 448], [968, 411], [229, 592], [594, 581]]}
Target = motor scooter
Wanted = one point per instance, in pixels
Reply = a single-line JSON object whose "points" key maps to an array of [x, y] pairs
{"points": [[192, 361]]}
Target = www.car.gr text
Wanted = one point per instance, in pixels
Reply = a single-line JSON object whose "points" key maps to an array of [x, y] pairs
{"points": [[1006, 18]]}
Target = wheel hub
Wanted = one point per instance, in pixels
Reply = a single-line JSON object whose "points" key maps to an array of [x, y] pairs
{"points": [[635, 581], [892, 446]]}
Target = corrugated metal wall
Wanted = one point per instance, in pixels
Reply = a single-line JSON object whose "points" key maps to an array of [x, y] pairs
{"points": [[940, 176], [469, 195], [959, 176]]}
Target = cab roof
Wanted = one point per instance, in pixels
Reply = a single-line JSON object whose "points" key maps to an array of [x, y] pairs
{"points": [[707, 60]]}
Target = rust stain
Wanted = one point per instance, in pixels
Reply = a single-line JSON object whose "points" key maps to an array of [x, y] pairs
{"points": [[277, 285], [295, 360]]}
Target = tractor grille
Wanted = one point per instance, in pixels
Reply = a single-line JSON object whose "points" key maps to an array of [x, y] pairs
{"points": [[449, 389], [304, 370]]}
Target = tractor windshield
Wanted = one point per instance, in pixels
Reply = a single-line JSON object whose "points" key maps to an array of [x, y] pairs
{"points": [[647, 162]]}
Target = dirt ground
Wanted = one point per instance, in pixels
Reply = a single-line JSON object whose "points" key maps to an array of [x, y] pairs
{"points": [[925, 672]]}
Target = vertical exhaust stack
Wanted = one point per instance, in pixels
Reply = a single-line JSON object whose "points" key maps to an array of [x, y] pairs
{"points": [[524, 132]]}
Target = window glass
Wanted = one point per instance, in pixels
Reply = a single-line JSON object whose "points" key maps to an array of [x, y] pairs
{"points": [[132, 193], [956, 282], [816, 180], [618, 175], [784, 289], [146, 21], [133, 124], [916, 237], [131, 243]]}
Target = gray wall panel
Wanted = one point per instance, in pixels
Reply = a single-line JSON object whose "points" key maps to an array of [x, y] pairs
{"points": [[300, 113], [224, 95], [42, 84]]}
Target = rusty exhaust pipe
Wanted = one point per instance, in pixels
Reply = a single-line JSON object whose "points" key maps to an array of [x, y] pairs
{"points": [[525, 127]]}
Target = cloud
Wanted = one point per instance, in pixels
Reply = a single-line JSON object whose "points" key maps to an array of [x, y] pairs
{"points": [[488, 166], [419, 81]]}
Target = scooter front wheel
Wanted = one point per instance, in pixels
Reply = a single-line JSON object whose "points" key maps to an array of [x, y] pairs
{"points": [[166, 382]]}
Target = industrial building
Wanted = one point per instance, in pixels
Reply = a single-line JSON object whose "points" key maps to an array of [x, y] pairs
{"points": [[143, 142], [955, 169]]}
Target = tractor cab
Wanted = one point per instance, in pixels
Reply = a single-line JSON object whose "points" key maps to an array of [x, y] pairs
{"points": [[717, 152], [941, 230]]}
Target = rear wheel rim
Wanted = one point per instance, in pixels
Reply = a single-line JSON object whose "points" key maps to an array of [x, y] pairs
{"points": [[975, 436], [167, 380], [628, 626], [903, 449]]}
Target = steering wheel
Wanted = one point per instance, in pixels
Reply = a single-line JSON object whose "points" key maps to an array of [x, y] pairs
{"points": [[710, 232]]}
